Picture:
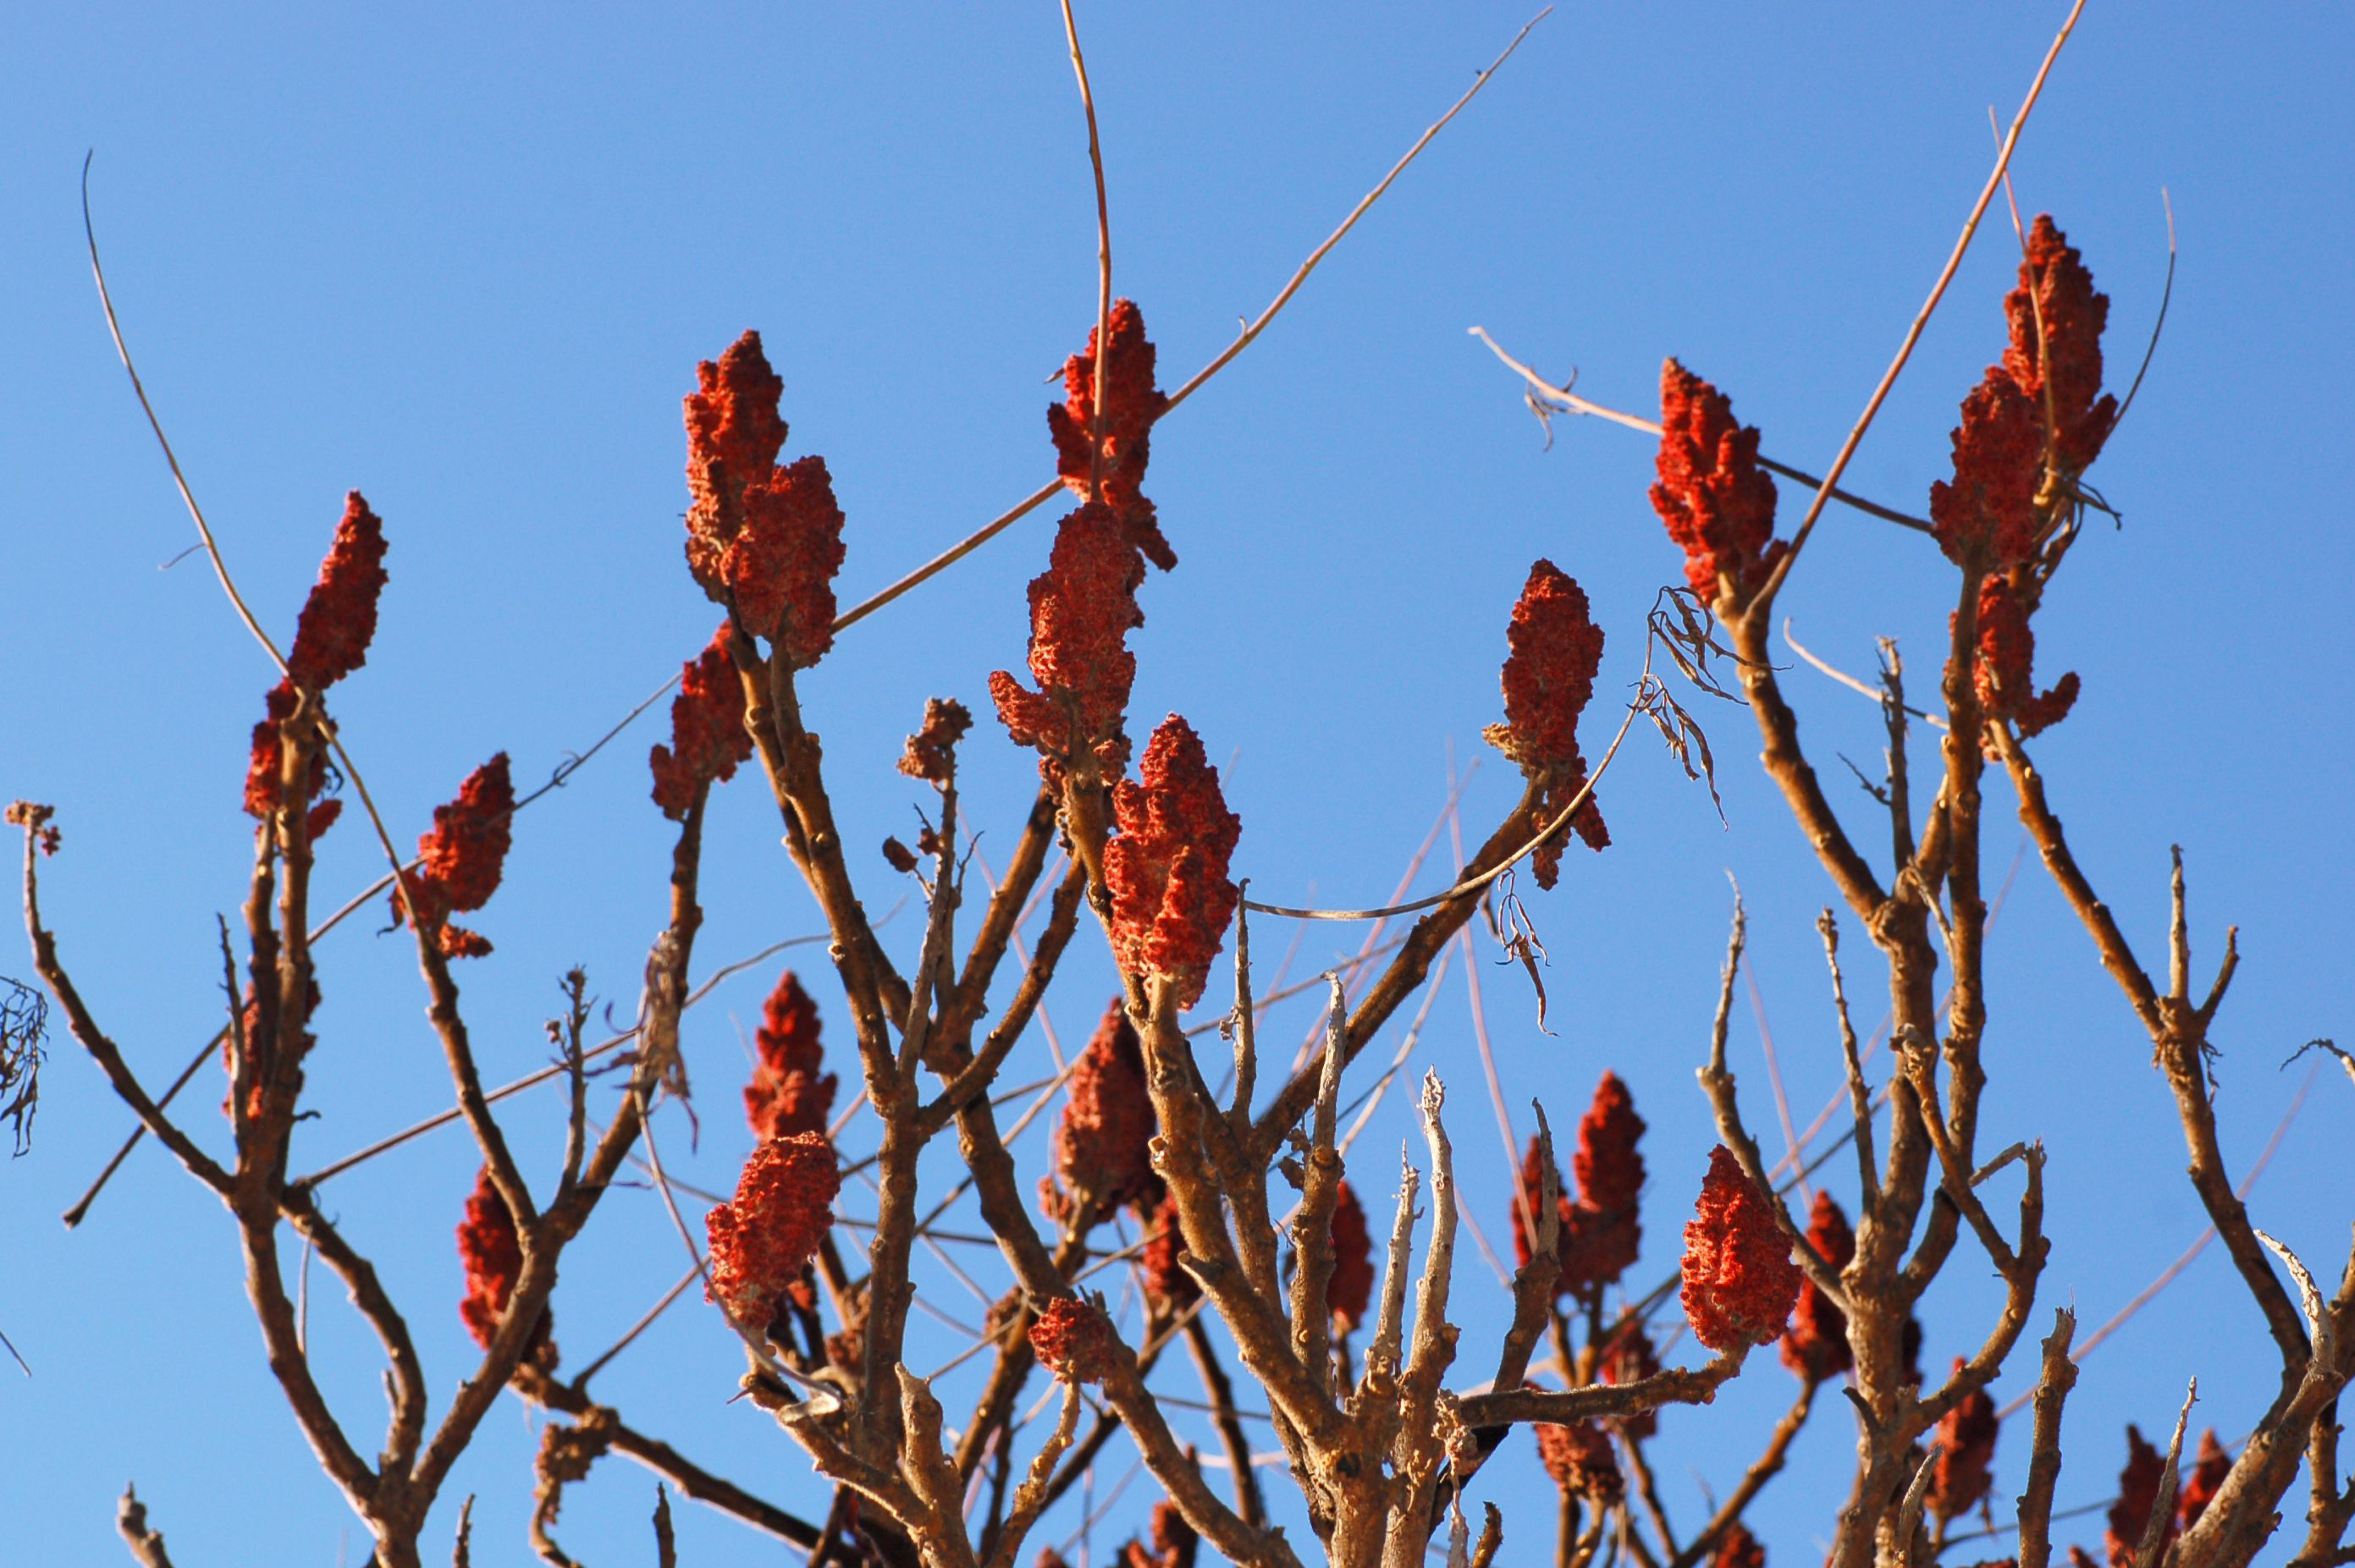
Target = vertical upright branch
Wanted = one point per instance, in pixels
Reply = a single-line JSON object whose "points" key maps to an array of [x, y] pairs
{"points": [[1312, 1227], [1420, 1454], [1859, 1095], [1104, 261], [892, 1090], [2052, 1386]]}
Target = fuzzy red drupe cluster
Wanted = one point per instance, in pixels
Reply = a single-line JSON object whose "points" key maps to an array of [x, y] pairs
{"points": [[1350, 1286], [461, 860], [708, 738], [1083, 607], [1630, 1357], [2209, 1470], [1739, 1279], [331, 641], [1167, 1283], [762, 539], [1171, 896], [1967, 1436], [338, 621], [1174, 1543], [1601, 1234], [1718, 503], [1579, 1458], [1549, 679], [1816, 1346], [492, 1257], [1073, 1340], [1107, 1122], [2138, 1500], [930, 753], [787, 1094], [2056, 293], [2004, 671], [1132, 403], [2034, 424], [1989, 506], [1737, 1548], [763, 1237]]}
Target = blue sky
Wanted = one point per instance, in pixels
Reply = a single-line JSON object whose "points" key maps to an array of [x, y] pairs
{"points": [[466, 261]]}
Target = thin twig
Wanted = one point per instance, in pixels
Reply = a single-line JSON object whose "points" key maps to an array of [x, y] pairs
{"points": [[1766, 595], [1243, 340], [1570, 402]]}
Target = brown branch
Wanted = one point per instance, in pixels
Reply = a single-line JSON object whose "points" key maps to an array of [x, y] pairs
{"points": [[692, 1480], [1219, 1389], [1564, 1406], [1765, 1469], [1717, 1083], [1405, 973], [2246, 1511], [1541, 392], [103, 1050], [1765, 595], [2052, 1386], [1195, 383], [131, 1522], [1859, 1095], [2178, 1037], [408, 1395]]}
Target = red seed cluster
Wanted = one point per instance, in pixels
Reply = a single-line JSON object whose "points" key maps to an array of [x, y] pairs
{"points": [[460, 861], [36, 820], [1174, 1544], [1073, 1340], [1101, 1138], [2041, 407], [2004, 670], [331, 641], [765, 539], [492, 1259], [708, 738], [1740, 1281], [1737, 1548], [1965, 1455], [735, 432], [1083, 608], [762, 1240], [781, 570], [1602, 1234], [1579, 1458], [1988, 511], [2207, 1479], [338, 621], [932, 750], [1816, 1345], [1167, 868], [1549, 679], [1629, 1357], [1351, 1284], [468, 846], [787, 1095], [2056, 287], [1167, 1283], [1607, 1163], [1718, 503], [2137, 1497], [1131, 405]]}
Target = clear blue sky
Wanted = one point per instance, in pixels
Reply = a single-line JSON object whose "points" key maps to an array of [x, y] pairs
{"points": [[465, 260]]}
